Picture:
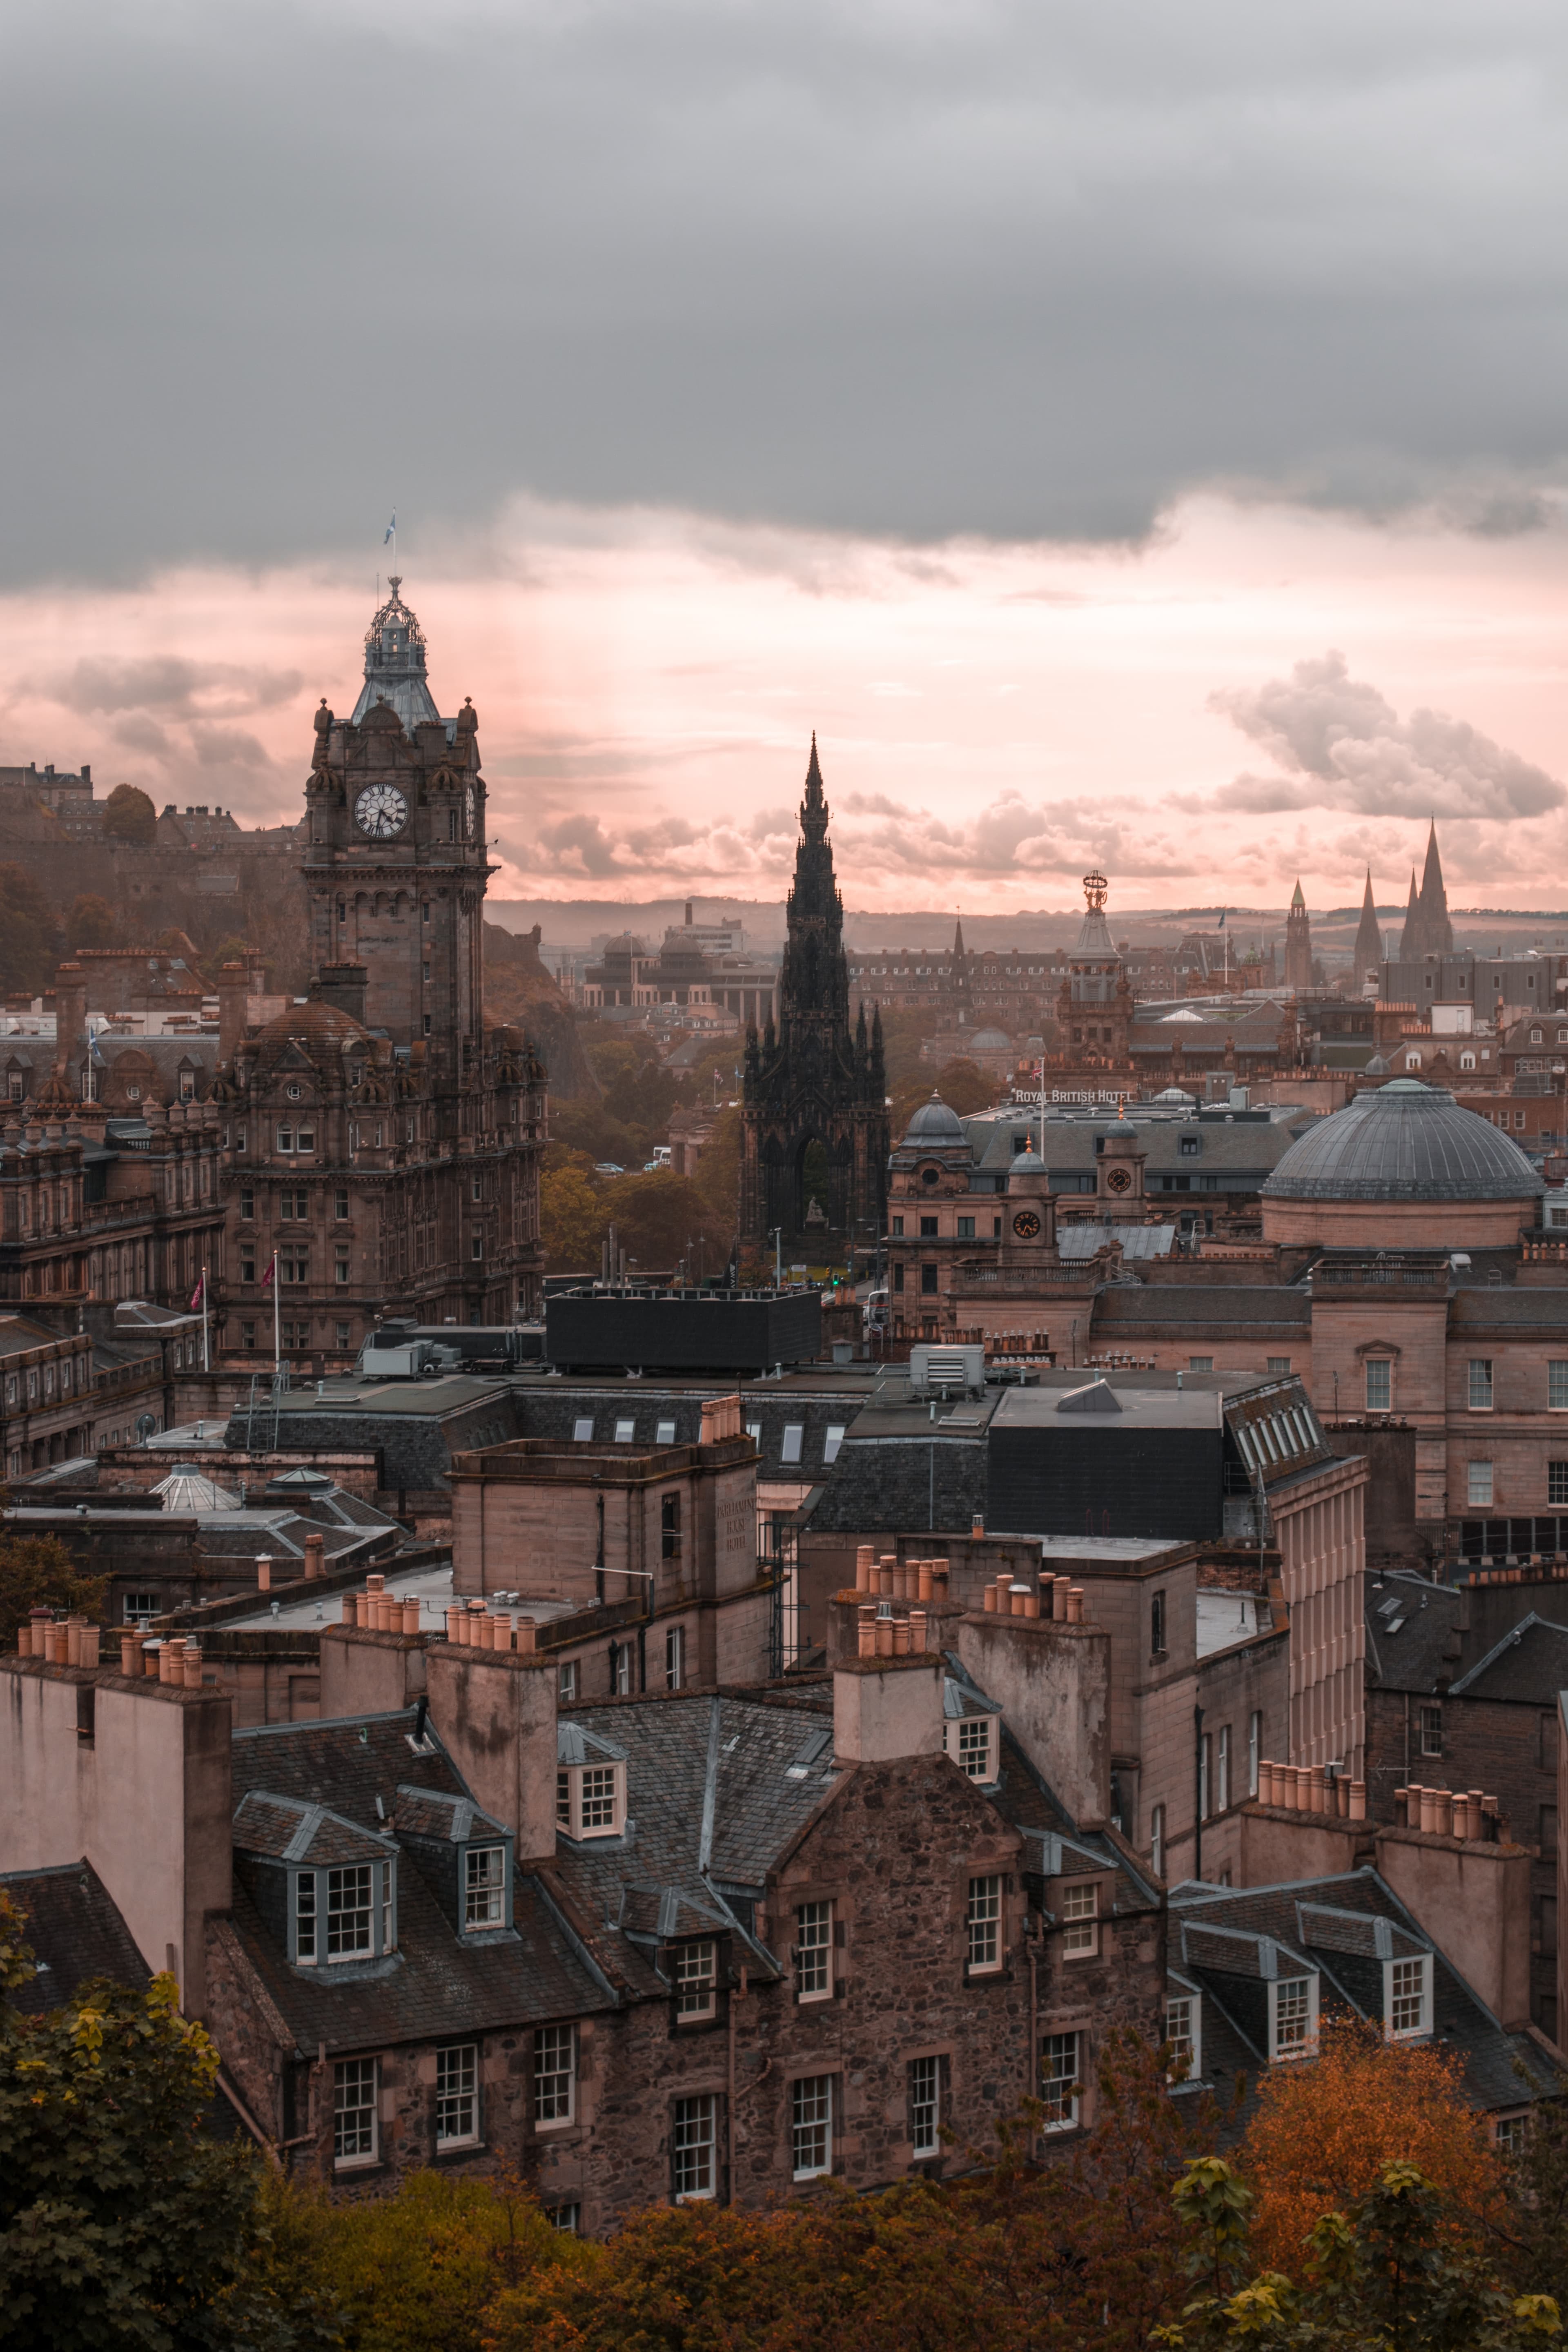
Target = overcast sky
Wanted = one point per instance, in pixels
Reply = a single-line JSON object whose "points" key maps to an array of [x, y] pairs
{"points": [[897, 282]]}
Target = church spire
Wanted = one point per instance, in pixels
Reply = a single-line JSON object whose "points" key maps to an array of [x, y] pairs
{"points": [[1298, 904], [958, 938], [1368, 940], [1410, 938], [1437, 930]]}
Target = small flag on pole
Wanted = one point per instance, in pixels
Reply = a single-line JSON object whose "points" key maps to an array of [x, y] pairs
{"points": [[197, 1293], [271, 1270], [390, 532], [1223, 912]]}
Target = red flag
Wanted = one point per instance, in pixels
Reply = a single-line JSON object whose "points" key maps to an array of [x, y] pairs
{"points": [[271, 1270], [197, 1294]]}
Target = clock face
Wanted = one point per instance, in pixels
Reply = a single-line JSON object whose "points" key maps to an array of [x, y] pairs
{"points": [[1119, 1180], [471, 807], [381, 811], [1026, 1225]]}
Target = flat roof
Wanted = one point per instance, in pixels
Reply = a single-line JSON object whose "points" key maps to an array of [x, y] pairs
{"points": [[1140, 1409], [451, 1393]]}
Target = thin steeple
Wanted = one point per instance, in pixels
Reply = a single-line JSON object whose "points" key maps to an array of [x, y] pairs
{"points": [[1298, 904], [1410, 937], [1437, 930], [1368, 939]]}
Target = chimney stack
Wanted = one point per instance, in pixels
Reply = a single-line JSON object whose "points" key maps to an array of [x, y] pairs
{"points": [[70, 1013], [888, 1707], [233, 1004]]}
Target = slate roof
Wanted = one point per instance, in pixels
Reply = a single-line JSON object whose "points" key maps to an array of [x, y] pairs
{"points": [[1529, 1664], [1487, 1307], [438, 1985], [1307, 1922], [289, 1830], [76, 1933], [716, 1789], [436, 1813], [1408, 1627], [1212, 1307]]}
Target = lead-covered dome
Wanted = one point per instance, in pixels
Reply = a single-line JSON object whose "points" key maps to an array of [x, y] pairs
{"points": [[1404, 1141], [1401, 1167], [934, 1123]]}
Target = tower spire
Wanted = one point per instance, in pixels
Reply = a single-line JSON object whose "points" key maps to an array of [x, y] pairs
{"points": [[1368, 940], [1437, 930]]}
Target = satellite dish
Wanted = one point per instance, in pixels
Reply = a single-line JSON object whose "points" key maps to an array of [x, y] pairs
{"points": [[146, 1425]]}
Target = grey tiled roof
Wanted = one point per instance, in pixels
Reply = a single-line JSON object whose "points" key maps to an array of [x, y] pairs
{"points": [[1411, 1657], [1349, 1981], [435, 1814], [677, 1747], [76, 1933], [438, 1985], [290, 1830], [1529, 1664], [1273, 1305]]}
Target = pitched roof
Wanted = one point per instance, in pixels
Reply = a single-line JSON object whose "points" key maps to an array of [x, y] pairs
{"points": [[1318, 1921], [437, 1984], [1529, 1664], [76, 1933]]}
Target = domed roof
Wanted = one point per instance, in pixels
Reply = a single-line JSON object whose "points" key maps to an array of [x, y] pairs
{"points": [[1176, 1095], [934, 1123], [1403, 1142], [1378, 1067], [1027, 1162], [394, 666], [319, 1029], [991, 1041]]}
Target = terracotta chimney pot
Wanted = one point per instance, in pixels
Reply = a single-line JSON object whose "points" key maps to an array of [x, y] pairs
{"points": [[866, 1634], [263, 1573], [528, 1634]]}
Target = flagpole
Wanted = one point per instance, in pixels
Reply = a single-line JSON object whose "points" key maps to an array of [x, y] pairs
{"points": [[276, 1326], [206, 1351]]}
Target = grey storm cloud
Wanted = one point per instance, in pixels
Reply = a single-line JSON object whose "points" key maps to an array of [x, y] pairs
{"points": [[1024, 269], [166, 682], [1340, 744], [1010, 836]]}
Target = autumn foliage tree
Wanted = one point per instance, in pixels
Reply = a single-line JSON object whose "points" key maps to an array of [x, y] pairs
{"points": [[1321, 2134]]}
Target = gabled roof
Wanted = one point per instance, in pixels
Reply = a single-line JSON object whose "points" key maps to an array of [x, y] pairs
{"points": [[1335, 1927], [76, 1933], [287, 1829], [435, 1813], [1529, 1664]]}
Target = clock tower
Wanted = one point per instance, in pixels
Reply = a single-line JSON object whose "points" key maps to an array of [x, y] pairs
{"points": [[394, 863]]}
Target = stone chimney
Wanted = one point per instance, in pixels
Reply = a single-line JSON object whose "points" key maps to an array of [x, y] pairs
{"points": [[494, 1712], [70, 1013], [721, 1418], [887, 1708], [233, 998], [342, 985], [1052, 1676]]}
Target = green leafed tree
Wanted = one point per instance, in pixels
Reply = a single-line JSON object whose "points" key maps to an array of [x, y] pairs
{"points": [[129, 814], [38, 1572], [122, 2222]]}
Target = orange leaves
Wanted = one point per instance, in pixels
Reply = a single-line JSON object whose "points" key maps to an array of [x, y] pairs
{"points": [[1324, 2129]]}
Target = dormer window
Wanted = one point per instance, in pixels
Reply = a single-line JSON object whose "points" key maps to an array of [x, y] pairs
{"points": [[484, 1887], [591, 1800], [345, 1914], [1408, 1997], [1081, 1921], [971, 1743], [1292, 2018], [695, 1975]]}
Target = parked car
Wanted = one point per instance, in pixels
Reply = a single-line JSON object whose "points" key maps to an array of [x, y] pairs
{"points": [[607, 1167]]}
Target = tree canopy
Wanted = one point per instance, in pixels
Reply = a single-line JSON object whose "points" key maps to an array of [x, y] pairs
{"points": [[129, 814]]}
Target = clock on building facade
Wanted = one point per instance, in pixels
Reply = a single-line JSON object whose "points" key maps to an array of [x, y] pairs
{"points": [[1119, 1180], [381, 812], [1026, 1225]]}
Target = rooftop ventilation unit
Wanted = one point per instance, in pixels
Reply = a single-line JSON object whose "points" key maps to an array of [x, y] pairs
{"points": [[954, 1372]]}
